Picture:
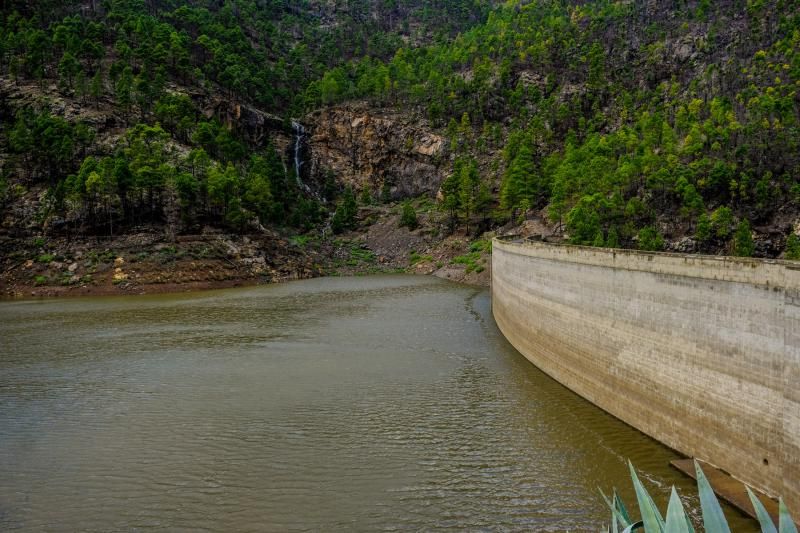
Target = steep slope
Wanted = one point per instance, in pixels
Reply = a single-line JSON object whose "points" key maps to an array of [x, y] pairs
{"points": [[651, 124], [178, 113]]}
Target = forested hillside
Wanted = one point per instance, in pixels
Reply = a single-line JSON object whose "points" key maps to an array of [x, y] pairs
{"points": [[625, 120], [652, 124], [106, 103]]}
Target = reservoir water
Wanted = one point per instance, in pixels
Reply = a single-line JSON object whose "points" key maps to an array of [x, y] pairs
{"points": [[374, 403]]}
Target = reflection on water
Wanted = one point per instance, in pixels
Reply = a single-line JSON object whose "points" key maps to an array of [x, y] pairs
{"points": [[357, 404]]}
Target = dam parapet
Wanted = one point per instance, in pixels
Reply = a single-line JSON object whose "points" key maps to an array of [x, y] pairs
{"points": [[700, 352]]}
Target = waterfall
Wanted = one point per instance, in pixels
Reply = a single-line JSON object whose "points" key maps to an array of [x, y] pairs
{"points": [[299, 140], [299, 135]]}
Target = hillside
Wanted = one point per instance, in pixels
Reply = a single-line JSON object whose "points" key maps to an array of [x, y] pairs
{"points": [[661, 125], [628, 122]]}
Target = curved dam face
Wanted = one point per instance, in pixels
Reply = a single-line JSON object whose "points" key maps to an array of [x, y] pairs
{"points": [[701, 353]]}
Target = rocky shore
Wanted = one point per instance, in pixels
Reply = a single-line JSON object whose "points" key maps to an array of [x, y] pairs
{"points": [[149, 261]]}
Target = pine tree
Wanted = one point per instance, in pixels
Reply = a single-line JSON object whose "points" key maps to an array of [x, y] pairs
{"points": [[96, 86], [345, 216], [68, 69], [743, 245], [124, 89], [703, 231], [516, 184], [468, 185]]}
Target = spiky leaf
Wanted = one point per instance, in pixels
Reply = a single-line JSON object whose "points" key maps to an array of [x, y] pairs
{"points": [[676, 516], [651, 517], [713, 517], [634, 526], [618, 511], [764, 520], [618, 503], [785, 522]]}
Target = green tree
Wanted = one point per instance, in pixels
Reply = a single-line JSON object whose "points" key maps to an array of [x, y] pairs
{"points": [[345, 216], [650, 239], [223, 185], [722, 221], [147, 158], [258, 189], [703, 230], [81, 86], [386, 193], [188, 187], [792, 251], [124, 89], [583, 221], [743, 245], [612, 241], [468, 189], [408, 217], [68, 69], [451, 201], [100, 185], [96, 88], [518, 178]]}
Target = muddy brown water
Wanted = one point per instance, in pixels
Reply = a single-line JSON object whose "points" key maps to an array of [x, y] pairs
{"points": [[371, 403]]}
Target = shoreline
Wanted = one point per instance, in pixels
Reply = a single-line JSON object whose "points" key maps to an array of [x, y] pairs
{"points": [[149, 263], [36, 293], [32, 293]]}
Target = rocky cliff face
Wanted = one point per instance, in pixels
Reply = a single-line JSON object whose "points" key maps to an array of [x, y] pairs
{"points": [[368, 148], [256, 127]]}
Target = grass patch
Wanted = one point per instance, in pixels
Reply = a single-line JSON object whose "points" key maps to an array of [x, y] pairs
{"points": [[474, 260], [425, 205], [101, 257], [300, 240], [364, 255], [418, 258], [482, 245], [46, 258]]}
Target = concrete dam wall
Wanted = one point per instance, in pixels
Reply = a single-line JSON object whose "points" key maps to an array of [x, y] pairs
{"points": [[701, 353]]}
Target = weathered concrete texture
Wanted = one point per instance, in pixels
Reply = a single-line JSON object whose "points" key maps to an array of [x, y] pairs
{"points": [[701, 353]]}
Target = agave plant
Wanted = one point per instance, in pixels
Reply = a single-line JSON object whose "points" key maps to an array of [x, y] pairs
{"points": [[677, 521]]}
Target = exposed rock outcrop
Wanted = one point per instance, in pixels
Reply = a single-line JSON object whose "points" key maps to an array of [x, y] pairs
{"points": [[255, 126], [368, 148]]}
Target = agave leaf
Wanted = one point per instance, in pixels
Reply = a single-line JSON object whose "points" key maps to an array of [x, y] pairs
{"points": [[623, 519], [676, 516], [713, 517], [689, 525], [621, 508], [651, 517], [764, 520], [635, 525], [785, 522]]}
